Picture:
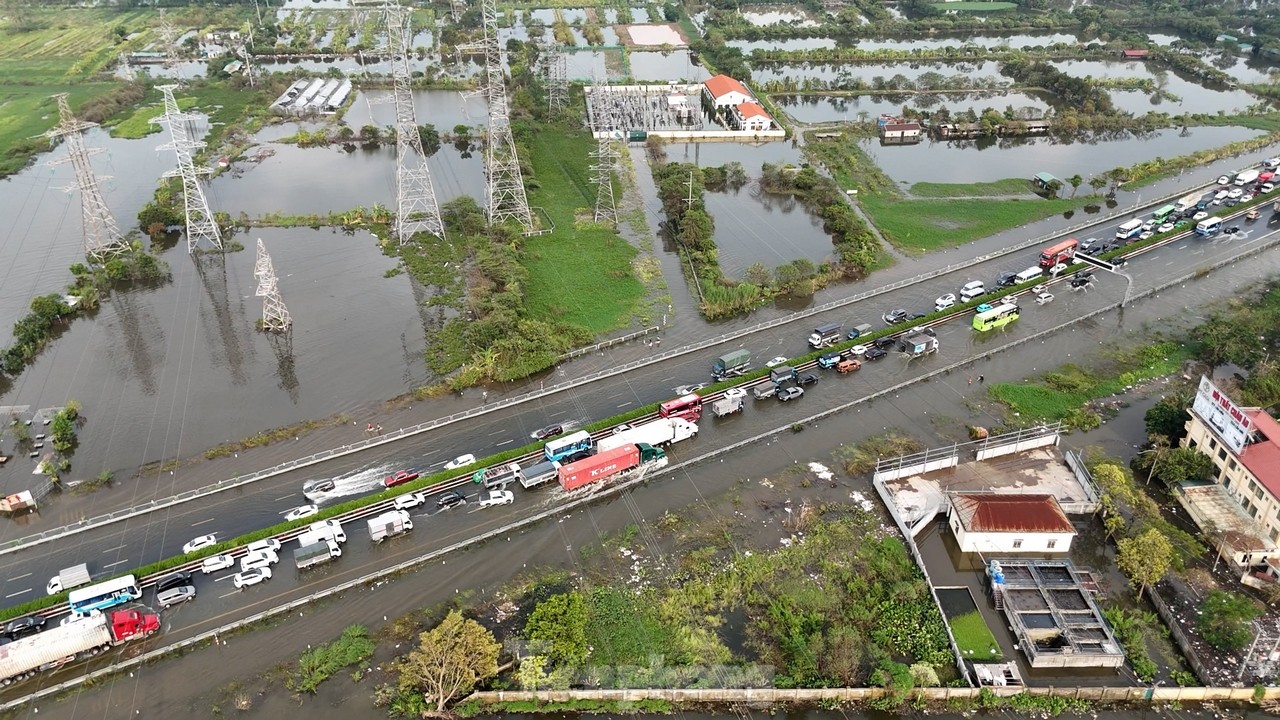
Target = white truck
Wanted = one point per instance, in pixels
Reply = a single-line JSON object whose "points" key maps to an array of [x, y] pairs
{"points": [[535, 475], [389, 524], [315, 549], [62, 644], [728, 405], [1247, 177], [657, 433], [68, 578], [331, 529]]}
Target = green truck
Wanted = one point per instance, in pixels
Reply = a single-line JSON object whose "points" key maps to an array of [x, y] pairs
{"points": [[731, 364]]}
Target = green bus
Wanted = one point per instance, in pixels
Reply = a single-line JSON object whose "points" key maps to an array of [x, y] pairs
{"points": [[1162, 215], [998, 316]]}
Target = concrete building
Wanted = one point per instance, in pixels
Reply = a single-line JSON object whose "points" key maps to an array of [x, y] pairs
{"points": [[1010, 523], [1241, 506], [751, 116], [723, 91], [897, 130]]}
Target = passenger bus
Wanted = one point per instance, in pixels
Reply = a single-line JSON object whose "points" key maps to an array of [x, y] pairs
{"points": [[104, 595], [1060, 253], [1131, 229], [998, 316], [688, 407], [1162, 214], [1209, 226], [562, 447]]}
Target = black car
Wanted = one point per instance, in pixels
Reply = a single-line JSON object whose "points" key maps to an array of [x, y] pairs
{"points": [[875, 353], [451, 499], [549, 431], [24, 626], [1007, 279], [884, 342], [808, 379], [915, 316], [1079, 282], [893, 317], [1232, 230], [1087, 274], [174, 580]]}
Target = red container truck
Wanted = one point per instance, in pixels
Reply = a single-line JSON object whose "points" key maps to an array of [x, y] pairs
{"points": [[609, 463], [60, 645]]}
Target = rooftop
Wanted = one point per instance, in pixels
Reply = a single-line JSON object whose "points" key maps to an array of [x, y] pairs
{"points": [[1211, 505], [1054, 617], [1263, 458], [750, 110], [722, 85], [988, 512]]}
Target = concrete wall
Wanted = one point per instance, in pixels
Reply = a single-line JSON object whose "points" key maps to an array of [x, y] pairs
{"points": [[706, 135], [1003, 542], [991, 451]]}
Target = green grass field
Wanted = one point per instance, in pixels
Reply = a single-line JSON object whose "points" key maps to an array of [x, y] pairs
{"points": [[974, 638], [922, 226], [28, 111], [1007, 186], [139, 124], [580, 275]]}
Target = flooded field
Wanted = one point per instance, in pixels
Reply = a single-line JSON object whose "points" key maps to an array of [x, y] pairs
{"points": [[986, 70], [661, 67], [756, 227], [816, 109]]}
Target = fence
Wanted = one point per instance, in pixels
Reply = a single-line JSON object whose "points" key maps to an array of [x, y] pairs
{"points": [[1175, 629], [1085, 478], [938, 458], [579, 352]]}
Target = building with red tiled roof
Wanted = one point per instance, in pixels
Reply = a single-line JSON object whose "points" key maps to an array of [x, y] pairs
{"points": [[1133, 54], [1010, 523], [751, 116], [723, 91]]}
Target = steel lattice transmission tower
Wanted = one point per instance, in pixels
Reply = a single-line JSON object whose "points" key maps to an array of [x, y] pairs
{"points": [[505, 198], [169, 34], [275, 316], [556, 69], [416, 206], [102, 238], [201, 227], [606, 162]]}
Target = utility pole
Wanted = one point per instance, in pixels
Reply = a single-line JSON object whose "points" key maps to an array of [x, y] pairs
{"points": [[606, 161], [275, 316], [416, 207], [201, 227], [102, 238]]}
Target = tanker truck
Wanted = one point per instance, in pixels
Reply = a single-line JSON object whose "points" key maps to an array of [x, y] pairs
{"points": [[80, 638], [610, 464]]}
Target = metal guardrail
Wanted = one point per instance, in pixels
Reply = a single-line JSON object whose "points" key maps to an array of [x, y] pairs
{"points": [[562, 509], [579, 352], [242, 480]]}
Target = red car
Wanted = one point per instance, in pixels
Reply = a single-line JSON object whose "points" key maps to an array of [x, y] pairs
{"points": [[400, 478]]}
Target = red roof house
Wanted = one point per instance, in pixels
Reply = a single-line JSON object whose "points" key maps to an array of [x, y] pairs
{"points": [[724, 91]]}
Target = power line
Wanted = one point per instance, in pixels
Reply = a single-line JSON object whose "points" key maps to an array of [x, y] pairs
{"points": [[102, 238], [275, 316], [201, 228]]}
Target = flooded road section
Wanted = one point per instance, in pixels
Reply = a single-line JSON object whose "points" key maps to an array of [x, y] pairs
{"points": [[933, 412]]}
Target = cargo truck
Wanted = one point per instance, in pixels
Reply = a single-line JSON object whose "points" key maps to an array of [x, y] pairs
{"points": [[316, 552], [658, 433], [535, 475], [728, 405], [497, 476], [1187, 202], [782, 374], [67, 578], [613, 463], [917, 344], [824, 335], [389, 524], [731, 364], [1247, 177], [60, 645]]}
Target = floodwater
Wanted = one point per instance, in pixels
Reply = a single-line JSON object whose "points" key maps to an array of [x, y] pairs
{"points": [[586, 66], [1193, 97], [442, 108], [958, 162], [659, 66], [777, 16], [752, 226], [933, 43], [985, 70], [817, 109]]}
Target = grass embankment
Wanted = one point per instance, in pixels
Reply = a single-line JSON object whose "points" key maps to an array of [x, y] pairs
{"points": [[1007, 186], [139, 124], [974, 638], [926, 225], [581, 273]]}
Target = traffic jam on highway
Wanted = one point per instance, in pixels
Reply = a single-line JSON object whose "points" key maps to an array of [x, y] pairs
{"points": [[100, 616]]}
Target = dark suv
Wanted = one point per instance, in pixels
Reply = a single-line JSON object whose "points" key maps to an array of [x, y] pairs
{"points": [[884, 342], [177, 579], [24, 626], [808, 379], [451, 499], [875, 353], [1007, 279], [893, 317]]}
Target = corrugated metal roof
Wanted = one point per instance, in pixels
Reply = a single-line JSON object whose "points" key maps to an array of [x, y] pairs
{"points": [[1011, 513]]}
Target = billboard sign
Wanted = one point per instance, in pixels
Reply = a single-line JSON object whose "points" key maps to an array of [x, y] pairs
{"points": [[1228, 421]]}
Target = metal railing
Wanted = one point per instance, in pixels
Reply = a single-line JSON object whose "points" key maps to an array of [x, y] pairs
{"points": [[579, 352]]}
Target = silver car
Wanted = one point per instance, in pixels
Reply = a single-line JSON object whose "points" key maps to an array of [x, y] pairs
{"points": [[176, 595]]}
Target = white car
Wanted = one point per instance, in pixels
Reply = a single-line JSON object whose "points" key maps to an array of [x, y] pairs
{"points": [[330, 527], [497, 497], [256, 560], [54, 585], [251, 577], [1056, 269], [460, 461], [780, 360], [735, 393], [1224, 180], [1235, 192], [944, 302], [302, 511], [1149, 225], [1200, 216], [266, 544], [77, 617], [1165, 227], [1044, 298], [1268, 187], [199, 544], [216, 563], [1145, 235], [409, 500], [690, 388], [858, 350]]}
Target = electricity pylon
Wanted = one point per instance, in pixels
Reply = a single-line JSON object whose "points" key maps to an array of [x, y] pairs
{"points": [[606, 161], [102, 238], [201, 227], [275, 316]]}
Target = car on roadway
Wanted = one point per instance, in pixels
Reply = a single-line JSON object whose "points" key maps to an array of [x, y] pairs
{"points": [[1044, 298], [302, 511], [1220, 196], [217, 562], [1234, 193], [858, 350], [895, 316], [497, 497], [876, 353], [944, 302], [1079, 282], [450, 499], [690, 388], [251, 577], [922, 329], [1057, 269], [259, 559], [1231, 230], [176, 595], [1146, 234], [1088, 244], [1267, 187], [1224, 180], [808, 379], [410, 500], [400, 477], [1200, 216], [78, 617], [317, 485], [736, 393], [1006, 279], [764, 390], [25, 626], [551, 431], [982, 307], [460, 462], [173, 580], [1164, 227], [775, 362], [200, 543], [972, 290], [271, 544], [884, 342], [787, 394]]}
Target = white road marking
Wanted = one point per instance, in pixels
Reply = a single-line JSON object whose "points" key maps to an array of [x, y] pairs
{"points": [[285, 497], [505, 442], [12, 579], [20, 592], [118, 562], [118, 547], [624, 404], [203, 522]]}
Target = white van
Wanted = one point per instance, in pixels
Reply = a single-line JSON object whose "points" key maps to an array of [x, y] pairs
{"points": [[260, 559], [972, 290], [1031, 273]]}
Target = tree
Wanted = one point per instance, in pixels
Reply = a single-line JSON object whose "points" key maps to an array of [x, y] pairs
{"points": [[1168, 418], [449, 660], [1145, 558], [557, 628], [430, 138], [1097, 182], [1180, 464], [1075, 181], [758, 274], [1053, 188], [1225, 619]]}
